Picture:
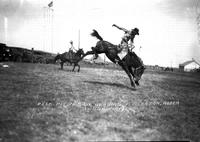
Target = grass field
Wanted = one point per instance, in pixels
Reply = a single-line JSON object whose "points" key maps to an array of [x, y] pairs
{"points": [[39, 102]]}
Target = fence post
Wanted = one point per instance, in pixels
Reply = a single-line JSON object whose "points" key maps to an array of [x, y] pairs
{"points": [[32, 52]]}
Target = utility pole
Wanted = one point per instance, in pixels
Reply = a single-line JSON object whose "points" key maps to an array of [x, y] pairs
{"points": [[197, 13], [79, 39], [6, 29]]}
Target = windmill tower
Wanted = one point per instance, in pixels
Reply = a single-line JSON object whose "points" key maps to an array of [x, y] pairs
{"points": [[48, 16], [6, 29], [197, 12]]}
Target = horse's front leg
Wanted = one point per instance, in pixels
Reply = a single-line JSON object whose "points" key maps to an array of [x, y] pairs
{"points": [[125, 68], [138, 74], [133, 74], [90, 53], [74, 67]]}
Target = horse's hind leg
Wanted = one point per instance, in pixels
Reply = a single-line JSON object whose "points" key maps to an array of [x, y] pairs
{"points": [[78, 67], [89, 53]]}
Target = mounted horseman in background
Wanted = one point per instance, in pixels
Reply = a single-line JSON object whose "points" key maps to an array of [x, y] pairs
{"points": [[73, 56]]}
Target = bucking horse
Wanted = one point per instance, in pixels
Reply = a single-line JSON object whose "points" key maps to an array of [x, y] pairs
{"points": [[71, 57], [131, 63]]}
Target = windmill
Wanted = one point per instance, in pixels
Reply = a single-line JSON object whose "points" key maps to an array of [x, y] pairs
{"points": [[48, 25]]}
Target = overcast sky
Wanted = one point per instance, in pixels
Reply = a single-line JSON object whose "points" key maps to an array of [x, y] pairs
{"points": [[168, 31]]}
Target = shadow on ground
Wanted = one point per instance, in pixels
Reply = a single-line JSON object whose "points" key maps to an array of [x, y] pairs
{"points": [[111, 84]]}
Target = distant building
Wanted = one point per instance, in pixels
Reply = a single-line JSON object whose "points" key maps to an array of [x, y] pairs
{"points": [[189, 65], [5, 54], [99, 60]]}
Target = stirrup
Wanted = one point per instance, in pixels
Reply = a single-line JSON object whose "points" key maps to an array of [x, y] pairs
{"points": [[137, 82]]}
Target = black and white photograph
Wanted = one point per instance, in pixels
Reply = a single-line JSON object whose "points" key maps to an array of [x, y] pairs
{"points": [[99, 70]]}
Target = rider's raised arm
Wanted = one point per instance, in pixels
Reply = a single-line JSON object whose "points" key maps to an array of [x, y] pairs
{"points": [[120, 28]]}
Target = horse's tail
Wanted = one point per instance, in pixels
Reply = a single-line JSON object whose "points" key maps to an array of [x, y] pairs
{"points": [[96, 34]]}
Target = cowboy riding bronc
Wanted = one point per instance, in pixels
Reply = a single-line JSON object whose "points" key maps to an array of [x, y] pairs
{"points": [[125, 46]]}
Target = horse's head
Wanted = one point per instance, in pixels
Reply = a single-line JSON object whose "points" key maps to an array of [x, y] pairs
{"points": [[80, 52], [56, 58]]}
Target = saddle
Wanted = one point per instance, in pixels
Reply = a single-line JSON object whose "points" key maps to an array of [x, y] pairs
{"points": [[71, 54]]}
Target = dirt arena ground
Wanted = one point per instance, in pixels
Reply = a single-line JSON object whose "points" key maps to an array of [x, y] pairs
{"points": [[39, 103]]}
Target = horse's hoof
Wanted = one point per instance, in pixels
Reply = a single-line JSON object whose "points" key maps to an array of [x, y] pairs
{"points": [[137, 83], [133, 88], [133, 85]]}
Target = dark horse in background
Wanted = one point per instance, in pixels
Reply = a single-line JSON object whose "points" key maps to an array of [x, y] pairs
{"points": [[131, 63], [71, 57]]}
